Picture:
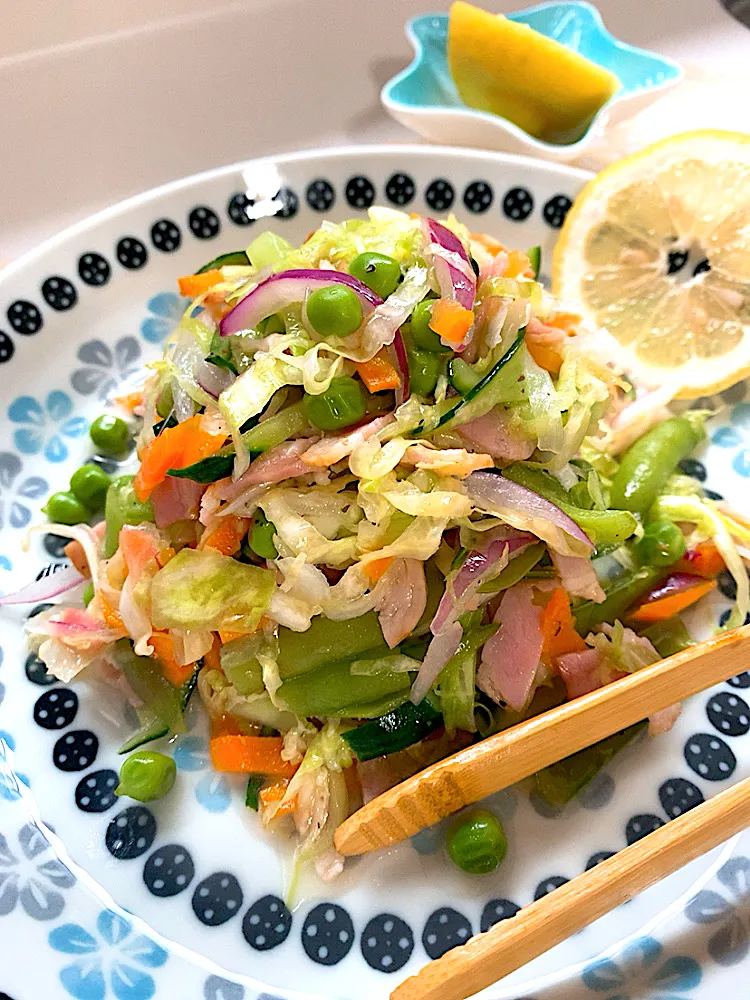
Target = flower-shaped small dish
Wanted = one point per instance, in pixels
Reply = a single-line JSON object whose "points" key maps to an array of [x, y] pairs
{"points": [[424, 97]]}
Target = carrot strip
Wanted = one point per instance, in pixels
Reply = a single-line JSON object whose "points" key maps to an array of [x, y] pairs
{"points": [[375, 569], [175, 448], [519, 265], [196, 284], [212, 659], [704, 560], [251, 755], [74, 551], [109, 614], [227, 635], [558, 630], [130, 401], [450, 321], [224, 725], [275, 792], [668, 607], [176, 673], [546, 357], [379, 373], [488, 242], [227, 537]]}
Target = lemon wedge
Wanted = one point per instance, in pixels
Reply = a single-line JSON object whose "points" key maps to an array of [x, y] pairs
{"points": [[511, 70], [656, 250]]}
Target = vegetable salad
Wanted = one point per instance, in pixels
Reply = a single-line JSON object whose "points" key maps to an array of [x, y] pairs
{"points": [[390, 497]]}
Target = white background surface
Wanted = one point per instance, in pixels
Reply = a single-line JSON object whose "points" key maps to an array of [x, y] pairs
{"points": [[101, 99]]}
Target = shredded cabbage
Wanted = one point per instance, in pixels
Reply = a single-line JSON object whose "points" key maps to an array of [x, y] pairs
{"points": [[622, 647]]}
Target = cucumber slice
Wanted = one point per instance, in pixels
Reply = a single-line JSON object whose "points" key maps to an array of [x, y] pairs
{"points": [[535, 257], [237, 258], [462, 376], [481, 397], [396, 730]]}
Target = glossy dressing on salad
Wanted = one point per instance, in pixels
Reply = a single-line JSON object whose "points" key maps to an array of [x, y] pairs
{"points": [[390, 497]]}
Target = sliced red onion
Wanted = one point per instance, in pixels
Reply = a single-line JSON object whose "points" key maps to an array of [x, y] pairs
{"points": [[440, 650], [212, 379], [527, 511], [478, 566], [675, 583], [452, 264], [285, 289], [493, 433], [42, 590], [511, 656], [397, 351], [281, 462]]}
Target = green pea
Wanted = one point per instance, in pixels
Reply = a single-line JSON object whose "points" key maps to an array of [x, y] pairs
{"points": [[423, 336], [342, 404], [88, 593], [261, 537], [65, 508], [334, 311], [661, 545], [110, 434], [424, 369], [647, 465], [380, 273], [477, 843], [146, 775], [90, 484]]}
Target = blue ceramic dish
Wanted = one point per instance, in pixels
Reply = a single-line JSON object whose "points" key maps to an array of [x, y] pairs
{"points": [[424, 97]]}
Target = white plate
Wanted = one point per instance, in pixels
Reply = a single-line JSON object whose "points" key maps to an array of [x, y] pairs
{"points": [[194, 871]]}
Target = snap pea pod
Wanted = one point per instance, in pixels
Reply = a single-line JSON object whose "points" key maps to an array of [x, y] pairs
{"points": [[332, 691], [241, 666], [123, 507], [147, 681], [620, 595], [605, 528], [668, 637], [516, 570], [396, 730], [651, 460], [560, 782]]}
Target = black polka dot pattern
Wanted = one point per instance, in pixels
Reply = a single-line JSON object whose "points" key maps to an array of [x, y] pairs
{"points": [[93, 269], [400, 189], [439, 194], [639, 826], [59, 293], [556, 209], [692, 467], [131, 253], [678, 795], [359, 192], [75, 751], [166, 235], [518, 204], [7, 348], [25, 317], [710, 757], [596, 859], [495, 911], [204, 222], [55, 545], [49, 569], [36, 671], [237, 209], [131, 833], [217, 899], [168, 871], [320, 195], [56, 709], [728, 713], [38, 608], [327, 934], [478, 196], [289, 203], [548, 885], [727, 585], [712, 494], [387, 943], [740, 681], [267, 923], [95, 793], [446, 928]]}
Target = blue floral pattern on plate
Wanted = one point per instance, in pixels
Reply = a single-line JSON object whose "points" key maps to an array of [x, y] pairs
{"points": [[28, 879], [212, 791], [45, 425], [112, 960], [736, 435], [166, 310], [14, 491], [105, 368]]}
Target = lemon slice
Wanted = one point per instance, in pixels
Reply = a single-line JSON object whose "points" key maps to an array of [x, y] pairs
{"points": [[508, 69], [656, 250]]}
